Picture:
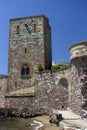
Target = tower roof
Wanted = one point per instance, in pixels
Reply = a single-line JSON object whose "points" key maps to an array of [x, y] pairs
{"points": [[37, 16]]}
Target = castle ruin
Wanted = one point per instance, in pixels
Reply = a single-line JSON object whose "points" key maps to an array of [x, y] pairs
{"points": [[24, 87]]}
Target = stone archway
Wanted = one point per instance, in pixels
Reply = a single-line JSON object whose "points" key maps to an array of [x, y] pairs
{"points": [[63, 82], [63, 86]]}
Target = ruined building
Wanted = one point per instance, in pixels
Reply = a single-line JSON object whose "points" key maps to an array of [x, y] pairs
{"points": [[24, 87]]}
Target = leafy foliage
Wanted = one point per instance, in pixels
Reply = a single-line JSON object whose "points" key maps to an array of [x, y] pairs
{"points": [[58, 67], [39, 67]]}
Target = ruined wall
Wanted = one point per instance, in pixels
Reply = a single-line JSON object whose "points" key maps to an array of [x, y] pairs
{"points": [[75, 90], [62, 89], [78, 77], [3, 86], [83, 83], [30, 44], [44, 91]]}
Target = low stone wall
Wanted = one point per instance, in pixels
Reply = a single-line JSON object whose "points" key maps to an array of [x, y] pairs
{"points": [[23, 112]]}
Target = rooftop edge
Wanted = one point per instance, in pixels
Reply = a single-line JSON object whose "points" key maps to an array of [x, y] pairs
{"points": [[79, 43], [37, 16]]}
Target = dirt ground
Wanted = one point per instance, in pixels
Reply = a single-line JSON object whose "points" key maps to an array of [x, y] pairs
{"points": [[70, 118], [45, 121]]}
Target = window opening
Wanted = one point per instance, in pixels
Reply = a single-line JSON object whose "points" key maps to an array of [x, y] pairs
{"points": [[17, 29], [25, 50], [25, 70], [28, 28], [34, 27]]}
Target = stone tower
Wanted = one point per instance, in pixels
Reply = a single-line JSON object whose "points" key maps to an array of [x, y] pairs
{"points": [[29, 46], [78, 75]]}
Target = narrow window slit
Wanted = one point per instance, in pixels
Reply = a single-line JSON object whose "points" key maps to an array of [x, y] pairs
{"points": [[34, 27], [25, 50], [17, 29]]}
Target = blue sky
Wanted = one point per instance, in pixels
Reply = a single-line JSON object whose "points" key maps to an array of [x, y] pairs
{"points": [[68, 20]]}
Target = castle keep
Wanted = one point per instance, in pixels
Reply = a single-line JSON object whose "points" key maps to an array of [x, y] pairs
{"points": [[29, 46], [24, 87]]}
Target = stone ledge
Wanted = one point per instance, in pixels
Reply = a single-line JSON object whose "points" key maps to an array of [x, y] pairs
{"points": [[23, 92], [3, 76]]}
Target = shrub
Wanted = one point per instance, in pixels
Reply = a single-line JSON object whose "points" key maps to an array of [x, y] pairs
{"points": [[55, 67], [39, 67], [58, 67]]}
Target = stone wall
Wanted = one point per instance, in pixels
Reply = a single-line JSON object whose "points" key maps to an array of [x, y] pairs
{"points": [[78, 87], [46, 92], [83, 83], [59, 90], [75, 90], [30, 45], [27, 41], [78, 77], [3, 86], [47, 44]]}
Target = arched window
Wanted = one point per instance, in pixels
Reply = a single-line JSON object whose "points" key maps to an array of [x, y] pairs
{"points": [[25, 71]]}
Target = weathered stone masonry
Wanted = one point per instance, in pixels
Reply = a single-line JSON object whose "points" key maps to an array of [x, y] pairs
{"points": [[78, 74], [30, 45], [44, 91], [3, 86]]}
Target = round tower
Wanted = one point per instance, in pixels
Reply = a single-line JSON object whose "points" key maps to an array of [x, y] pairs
{"points": [[78, 76]]}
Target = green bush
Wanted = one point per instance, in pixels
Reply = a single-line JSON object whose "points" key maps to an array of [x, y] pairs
{"points": [[58, 67], [55, 67], [39, 67]]}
